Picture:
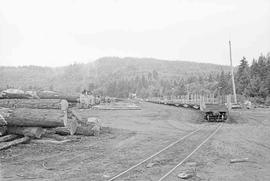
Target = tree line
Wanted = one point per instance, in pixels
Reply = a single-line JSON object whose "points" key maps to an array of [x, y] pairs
{"points": [[117, 77], [252, 82]]}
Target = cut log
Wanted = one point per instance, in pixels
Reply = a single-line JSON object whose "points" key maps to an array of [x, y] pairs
{"points": [[58, 95], [95, 124], [31, 103], [81, 130], [34, 117], [71, 98], [91, 127], [34, 132], [3, 130], [38, 117], [46, 141], [8, 137], [237, 160], [6, 145], [3, 125], [3, 122]]}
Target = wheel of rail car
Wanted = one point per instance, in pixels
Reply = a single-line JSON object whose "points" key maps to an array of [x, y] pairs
{"points": [[208, 117]]}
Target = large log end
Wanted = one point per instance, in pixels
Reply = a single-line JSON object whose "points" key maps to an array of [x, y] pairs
{"points": [[3, 130], [3, 123]]}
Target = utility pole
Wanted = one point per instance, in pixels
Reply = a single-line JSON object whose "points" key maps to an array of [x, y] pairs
{"points": [[234, 92]]}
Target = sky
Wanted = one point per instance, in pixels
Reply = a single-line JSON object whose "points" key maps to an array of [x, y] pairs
{"points": [[61, 32]]}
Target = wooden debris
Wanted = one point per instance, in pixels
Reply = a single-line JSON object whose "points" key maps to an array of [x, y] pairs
{"points": [[45, 141], [6, 145], [8, 137], [95, 124], [191, 164], [34, 132], [44, 165], [186, 174], [81, 130], [237, 160], [151, 164]]}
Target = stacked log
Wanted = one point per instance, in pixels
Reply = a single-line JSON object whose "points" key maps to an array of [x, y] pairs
{"points": [[31, 103], [25, 117], [34, 117], [28, 123], [17, 94], [58, 95], [20, 94]]}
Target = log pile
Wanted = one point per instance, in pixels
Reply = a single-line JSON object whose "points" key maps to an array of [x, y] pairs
{"points": [[23, 124], [31, 103], [58, 95], [20, 94]]}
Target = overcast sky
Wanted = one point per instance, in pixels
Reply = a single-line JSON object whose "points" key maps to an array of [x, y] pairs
{"points": [[60, 32]]}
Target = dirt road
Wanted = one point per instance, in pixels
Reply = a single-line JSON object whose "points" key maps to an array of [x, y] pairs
{"points": [[136, 134]]}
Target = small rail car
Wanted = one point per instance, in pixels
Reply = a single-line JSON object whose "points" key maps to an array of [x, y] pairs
{"points": [[215, 112]]}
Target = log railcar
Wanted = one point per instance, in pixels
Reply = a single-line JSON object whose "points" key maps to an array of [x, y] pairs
{"points": [[215, 112]]}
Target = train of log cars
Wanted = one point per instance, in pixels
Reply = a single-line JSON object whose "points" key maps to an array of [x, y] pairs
{"points": [[211, 112]]}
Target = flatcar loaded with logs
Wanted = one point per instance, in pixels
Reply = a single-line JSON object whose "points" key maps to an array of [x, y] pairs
{"points": [[217, 109], [215, 112]]}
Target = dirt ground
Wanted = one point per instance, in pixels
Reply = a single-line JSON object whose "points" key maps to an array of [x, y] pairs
{"points": [[131, 136]]}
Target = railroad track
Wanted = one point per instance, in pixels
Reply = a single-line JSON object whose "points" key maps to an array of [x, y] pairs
{"points": [[167, 160]]}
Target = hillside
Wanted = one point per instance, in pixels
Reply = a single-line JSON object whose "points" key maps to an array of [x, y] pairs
{"points": [[102, 72], [133, 66]]}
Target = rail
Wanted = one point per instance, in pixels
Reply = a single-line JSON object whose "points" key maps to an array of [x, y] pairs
{"points": [[166, 148]]}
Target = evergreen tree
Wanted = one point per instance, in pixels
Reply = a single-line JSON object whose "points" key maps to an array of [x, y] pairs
{"points": [[149, 76], [260, 78], [144, 82], [210, 78], [223, 83], [242, 77], [155, 75]]}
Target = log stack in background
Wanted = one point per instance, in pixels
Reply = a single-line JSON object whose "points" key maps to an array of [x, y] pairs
{"points": [[74, 98]]}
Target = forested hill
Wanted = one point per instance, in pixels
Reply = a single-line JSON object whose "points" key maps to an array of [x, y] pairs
{"points": [[139, 66], [104, 74]]}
